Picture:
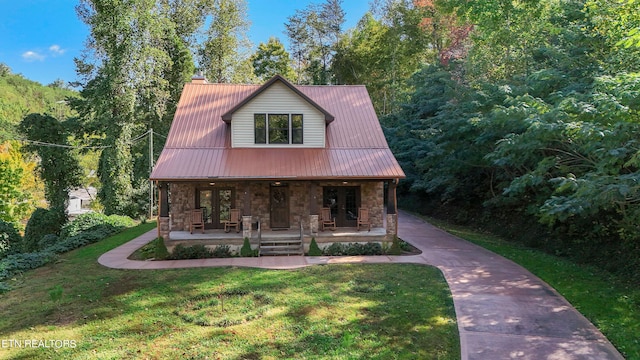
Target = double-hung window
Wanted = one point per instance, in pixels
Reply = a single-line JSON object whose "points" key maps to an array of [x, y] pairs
{"points": [[278, 129]]}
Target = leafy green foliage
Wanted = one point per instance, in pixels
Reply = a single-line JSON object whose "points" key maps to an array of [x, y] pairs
{"points": [[246, 250], [92, 221], [539, 122], [42, 222], [10, 239], [181, 252], [161, 251], [313, 34], [75, 236], [16, 194], [353, 249], [59, 167], [272, 59], [395, 248], [314, 250]]}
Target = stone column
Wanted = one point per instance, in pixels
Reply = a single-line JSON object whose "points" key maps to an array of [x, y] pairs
{"points": [[246, 227], [313, 224], [392, 212], [163, 216]]}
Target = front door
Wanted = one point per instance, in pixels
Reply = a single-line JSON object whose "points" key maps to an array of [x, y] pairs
{"points": [[215, 204], [344, 202], [279, 203]]}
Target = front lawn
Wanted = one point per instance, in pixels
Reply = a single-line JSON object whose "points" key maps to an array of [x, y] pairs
{"points": [[333, 311]]}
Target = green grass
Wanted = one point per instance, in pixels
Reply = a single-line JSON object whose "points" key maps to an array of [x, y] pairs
{"points": [[374, 311], [610, 303]]}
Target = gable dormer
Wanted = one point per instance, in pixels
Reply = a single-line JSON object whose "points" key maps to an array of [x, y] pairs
{"points": [[278, 115]]}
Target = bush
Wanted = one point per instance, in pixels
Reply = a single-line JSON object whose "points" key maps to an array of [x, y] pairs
{"points": [[17, 263], [222, 251], [92, 220], [42, 222], [161, 251], [314, 250], [395, 247], [10, 240], [353, 249], [47, 241], [181, 252], [246, 250]]}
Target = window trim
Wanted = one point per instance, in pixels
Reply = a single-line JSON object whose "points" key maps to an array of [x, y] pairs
{"points": [[267, 129]]}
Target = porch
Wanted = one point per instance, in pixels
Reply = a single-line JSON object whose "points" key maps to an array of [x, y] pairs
{"points": [[217, 237]]}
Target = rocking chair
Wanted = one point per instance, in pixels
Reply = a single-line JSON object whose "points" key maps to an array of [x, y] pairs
{"points": [[327, 220], [195, 220], [363, 218], [234, 220]]}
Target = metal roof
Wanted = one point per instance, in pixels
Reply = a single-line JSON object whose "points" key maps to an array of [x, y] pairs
{"points": [[198, 146]]}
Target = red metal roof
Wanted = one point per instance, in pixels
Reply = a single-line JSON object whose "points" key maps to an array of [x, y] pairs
{"points": [[198, 145]]}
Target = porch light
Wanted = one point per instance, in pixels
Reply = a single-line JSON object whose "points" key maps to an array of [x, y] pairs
{"points": [[212, 183], [345, 182], [277, 183]]}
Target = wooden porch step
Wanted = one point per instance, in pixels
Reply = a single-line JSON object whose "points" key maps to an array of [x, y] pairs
{"points": [[297, 252]]}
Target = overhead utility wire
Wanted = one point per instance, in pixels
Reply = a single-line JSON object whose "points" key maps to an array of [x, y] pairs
{"points": [[42, 143]]}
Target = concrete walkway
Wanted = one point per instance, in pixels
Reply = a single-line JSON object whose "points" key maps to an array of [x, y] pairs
{"points": [[503, 311]]}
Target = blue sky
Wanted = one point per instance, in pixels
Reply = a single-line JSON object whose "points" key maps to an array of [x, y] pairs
{"points": [[40, 38]]}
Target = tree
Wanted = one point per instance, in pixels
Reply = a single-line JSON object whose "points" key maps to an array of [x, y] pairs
{"points": [[313, 33], [58, 166], [15, 200], [271, 59], [383, 52], [221, 55], [132, 72]]}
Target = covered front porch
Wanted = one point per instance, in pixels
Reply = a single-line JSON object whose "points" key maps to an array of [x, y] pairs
{"points": [[272, 210], [216, 237]]}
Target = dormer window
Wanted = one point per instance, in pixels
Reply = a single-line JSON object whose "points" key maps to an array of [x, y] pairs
{"points": [[278, 129]]}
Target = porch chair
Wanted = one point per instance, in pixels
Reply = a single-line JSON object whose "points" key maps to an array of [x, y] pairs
{"points": [[327, 220], [363, 218], [196, 220], [234, 221]]}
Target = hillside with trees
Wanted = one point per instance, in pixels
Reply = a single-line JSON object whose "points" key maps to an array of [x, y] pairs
{"points": [[22, 188], [531, 127]]}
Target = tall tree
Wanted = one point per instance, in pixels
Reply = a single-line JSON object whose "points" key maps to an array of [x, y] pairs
{"points": [[271, 59], [15, 200], [222, 55], [136, 61], [383, 52], [314, 33], [59, 167]]}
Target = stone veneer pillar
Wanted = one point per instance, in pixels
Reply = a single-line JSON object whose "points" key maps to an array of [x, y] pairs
{"points": [[246, 227], [392, 224], [163, 227], [313, 224]]}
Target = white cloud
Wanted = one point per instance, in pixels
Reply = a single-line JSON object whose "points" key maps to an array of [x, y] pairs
{"points": [[56, 50], [33, 56]]}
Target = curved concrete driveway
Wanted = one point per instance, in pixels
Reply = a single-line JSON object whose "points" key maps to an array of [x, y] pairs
{"points": [[503, 311]]}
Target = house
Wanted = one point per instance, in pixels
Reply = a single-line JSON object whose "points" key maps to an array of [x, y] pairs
{"points": [[279, 153]]}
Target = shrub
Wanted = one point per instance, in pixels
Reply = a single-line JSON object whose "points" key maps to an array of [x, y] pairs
{"points": [[181, 252], [314, 250], [161, 251], [246, 250], [353, 249], [335, 249], [92, 220], [222, 251], [42, 222], [47, 241], [395, 247], [10, 240]]}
